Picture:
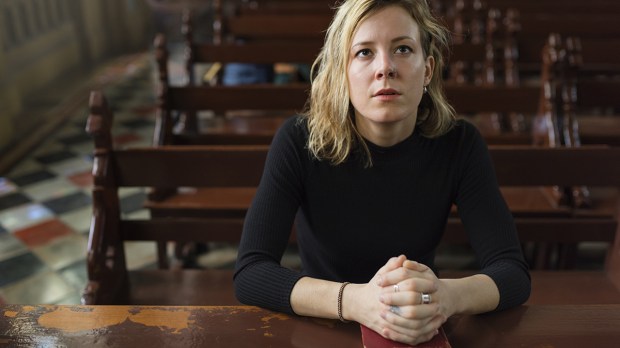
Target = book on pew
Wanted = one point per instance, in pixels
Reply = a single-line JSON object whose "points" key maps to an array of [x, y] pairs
{"points": [[372, 339]]}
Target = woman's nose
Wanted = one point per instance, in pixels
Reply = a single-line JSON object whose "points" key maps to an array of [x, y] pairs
{"points": [[386, 69]]}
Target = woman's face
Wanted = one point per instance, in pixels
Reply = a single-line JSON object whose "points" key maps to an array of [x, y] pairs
{"points": [[387, 72]]}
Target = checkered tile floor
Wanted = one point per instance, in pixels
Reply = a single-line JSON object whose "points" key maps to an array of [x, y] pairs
{"points": [[45, 200]]}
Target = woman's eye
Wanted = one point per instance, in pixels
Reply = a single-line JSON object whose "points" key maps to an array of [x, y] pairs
{"points": [[403, 49], [363, 53]]}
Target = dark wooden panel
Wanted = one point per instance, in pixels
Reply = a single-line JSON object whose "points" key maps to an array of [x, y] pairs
{"points": [[310, 26], [478, 99], [255, 52], [547, 230], [263, 97], [190, 166], [527, 166]]}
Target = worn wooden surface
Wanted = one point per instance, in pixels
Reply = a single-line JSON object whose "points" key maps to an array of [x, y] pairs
{"points": [[242, 326]]}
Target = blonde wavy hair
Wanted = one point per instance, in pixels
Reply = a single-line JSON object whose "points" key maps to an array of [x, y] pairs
{"points": [[329, 112]]}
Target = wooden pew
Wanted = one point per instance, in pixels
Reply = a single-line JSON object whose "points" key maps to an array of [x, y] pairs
{"points": [[471, 54], [467, 99], [270, 99], [222, 51], [450, 8], [593, 166], [601, 56], [271, 7], [248, 114], [278, 102], [224, 168], [587, 104], [213, 168], [254, 26], [533, 22]]}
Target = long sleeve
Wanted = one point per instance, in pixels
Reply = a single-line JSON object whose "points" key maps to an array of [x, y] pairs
{"points": [[489, 223], [259, 278]]}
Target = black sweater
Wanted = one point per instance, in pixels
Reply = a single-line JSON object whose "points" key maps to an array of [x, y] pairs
{"points": [[350, 219]]}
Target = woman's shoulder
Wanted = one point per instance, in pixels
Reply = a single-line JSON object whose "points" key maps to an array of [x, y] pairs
{"points": [[463, 127], [464, 132], [293, 131], [296, 124]]}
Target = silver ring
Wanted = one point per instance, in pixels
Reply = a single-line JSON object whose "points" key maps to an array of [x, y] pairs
{"points": [[426, 298], [395, 309], [396, 288]]}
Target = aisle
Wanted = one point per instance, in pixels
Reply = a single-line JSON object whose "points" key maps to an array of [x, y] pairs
{"points": [[45, 200]]}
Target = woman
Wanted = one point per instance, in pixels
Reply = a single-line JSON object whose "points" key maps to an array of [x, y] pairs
{"points": [[369, 173]]}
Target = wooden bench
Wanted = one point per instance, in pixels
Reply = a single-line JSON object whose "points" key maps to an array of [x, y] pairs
{"points": [[529, 24], [280, 55], [246, 114], [507, 97], [213, 168], [594, 166], [229, 49], [271, 7], [579, 100], [284, 25], [467, 99], [274, 100], [190, 100], [228, 167], [589, 99]]}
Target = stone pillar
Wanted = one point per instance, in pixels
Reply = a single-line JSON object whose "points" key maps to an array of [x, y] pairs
{"points": [[9, 95]]}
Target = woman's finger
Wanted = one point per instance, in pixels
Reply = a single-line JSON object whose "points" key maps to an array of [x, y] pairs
{"points": [[412, 284], [401, 275], [392, 264], [409, 298], [399, 329], [416, 266]]}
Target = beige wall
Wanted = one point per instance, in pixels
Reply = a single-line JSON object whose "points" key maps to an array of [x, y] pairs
{"points": [[42, 41]]}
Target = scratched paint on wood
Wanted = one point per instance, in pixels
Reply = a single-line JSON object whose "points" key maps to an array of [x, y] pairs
{"points": [[10, 314], [232, 310], [176, 320], [69, 319], [278, 316]]}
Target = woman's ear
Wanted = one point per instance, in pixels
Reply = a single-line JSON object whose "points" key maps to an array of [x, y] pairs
{"points": [[429, 67]]}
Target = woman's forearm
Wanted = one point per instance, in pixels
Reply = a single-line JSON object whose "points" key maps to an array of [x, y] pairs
{"points": [[360, 302], [470, 295], [316, 298], [319, 298]]}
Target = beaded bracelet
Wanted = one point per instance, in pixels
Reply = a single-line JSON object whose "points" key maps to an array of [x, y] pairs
{"points": [[342, 319]]}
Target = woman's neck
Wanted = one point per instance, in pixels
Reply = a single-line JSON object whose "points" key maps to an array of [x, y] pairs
{"points": [[385, 134]]}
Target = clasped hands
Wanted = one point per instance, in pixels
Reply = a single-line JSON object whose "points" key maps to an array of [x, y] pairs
{"points": [[410, 303]]}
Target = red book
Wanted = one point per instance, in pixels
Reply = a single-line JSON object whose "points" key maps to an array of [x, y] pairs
{"points": [[371, 339]]}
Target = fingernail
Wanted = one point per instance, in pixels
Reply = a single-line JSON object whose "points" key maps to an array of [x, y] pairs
{"points": [[383, 315]]}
